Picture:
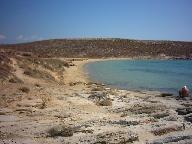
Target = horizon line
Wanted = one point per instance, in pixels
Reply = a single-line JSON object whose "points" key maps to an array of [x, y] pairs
{"points": [[95, 38]]}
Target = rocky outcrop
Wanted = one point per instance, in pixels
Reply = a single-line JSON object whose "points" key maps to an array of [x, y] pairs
{"points": [[182, 139]]}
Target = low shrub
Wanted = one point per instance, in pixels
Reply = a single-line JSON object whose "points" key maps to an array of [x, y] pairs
{"points": [[24, 89], [104, 102], [45, 101], [166, 94], [15, 80], [60, 130]]}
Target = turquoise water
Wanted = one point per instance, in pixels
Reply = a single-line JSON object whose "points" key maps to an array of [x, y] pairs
{"points": [[161, 75]]}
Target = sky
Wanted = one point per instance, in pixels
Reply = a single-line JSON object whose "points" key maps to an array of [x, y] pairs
{"points": [[31, 20]]}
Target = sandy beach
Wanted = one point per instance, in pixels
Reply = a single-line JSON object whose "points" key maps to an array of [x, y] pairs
{"points": [[81, 111]]}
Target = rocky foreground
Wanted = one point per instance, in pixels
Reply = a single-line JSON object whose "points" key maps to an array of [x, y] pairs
{"points": [[37, 110]]}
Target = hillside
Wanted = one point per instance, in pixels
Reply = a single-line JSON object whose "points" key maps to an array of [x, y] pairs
{"points": [[47, 97], [88, 48], [97, 48]]}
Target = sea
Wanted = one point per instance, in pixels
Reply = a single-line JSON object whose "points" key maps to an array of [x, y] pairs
{"points": [[154, 75]]}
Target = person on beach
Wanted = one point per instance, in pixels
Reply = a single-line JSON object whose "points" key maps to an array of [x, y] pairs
{"points": [[184, 92]]}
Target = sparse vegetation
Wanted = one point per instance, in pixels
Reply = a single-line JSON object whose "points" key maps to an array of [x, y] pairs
{"points": [[45, 101], [24, 89], [99, 88], [43, 68], [166, 94], [104, 48], [14, 79], [48, 102], [39, 74], [26, 54], [61, 130], [37, 85], [5, 68], [104, 102]]}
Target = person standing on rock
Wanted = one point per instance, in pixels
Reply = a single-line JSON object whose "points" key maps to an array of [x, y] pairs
{"points": [[184, 92]]}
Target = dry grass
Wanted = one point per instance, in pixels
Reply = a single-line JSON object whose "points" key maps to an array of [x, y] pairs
{"points": [[45, 101], [5, 67], [43, 68], [55, 65], [35, 73]]}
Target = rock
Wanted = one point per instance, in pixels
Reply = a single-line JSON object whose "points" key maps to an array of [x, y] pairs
{"points": [[181, 111], [147, 108], [189, 117], [61, 130], [183, 138], [124, 122], [106, 137], [117, 137], [172, 118], [184, 111], [189, 109], [166, 129], [159, 115]]}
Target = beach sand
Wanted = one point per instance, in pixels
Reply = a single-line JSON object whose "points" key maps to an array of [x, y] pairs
{"points": [[82, 111]]}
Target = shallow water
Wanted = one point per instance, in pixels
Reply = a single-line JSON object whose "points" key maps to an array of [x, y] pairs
{"points": [[161, 75]]}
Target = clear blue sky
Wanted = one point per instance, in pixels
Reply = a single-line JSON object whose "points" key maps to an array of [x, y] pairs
{"points": [[29, 20]]}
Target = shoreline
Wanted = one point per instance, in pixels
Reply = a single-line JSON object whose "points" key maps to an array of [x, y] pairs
{"points": [[84, 75], [154, 95], [82, 111]]}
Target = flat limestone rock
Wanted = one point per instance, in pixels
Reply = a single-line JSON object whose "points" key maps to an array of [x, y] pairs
{"points": [[184, 139], [114, 137], [8, 118]]}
